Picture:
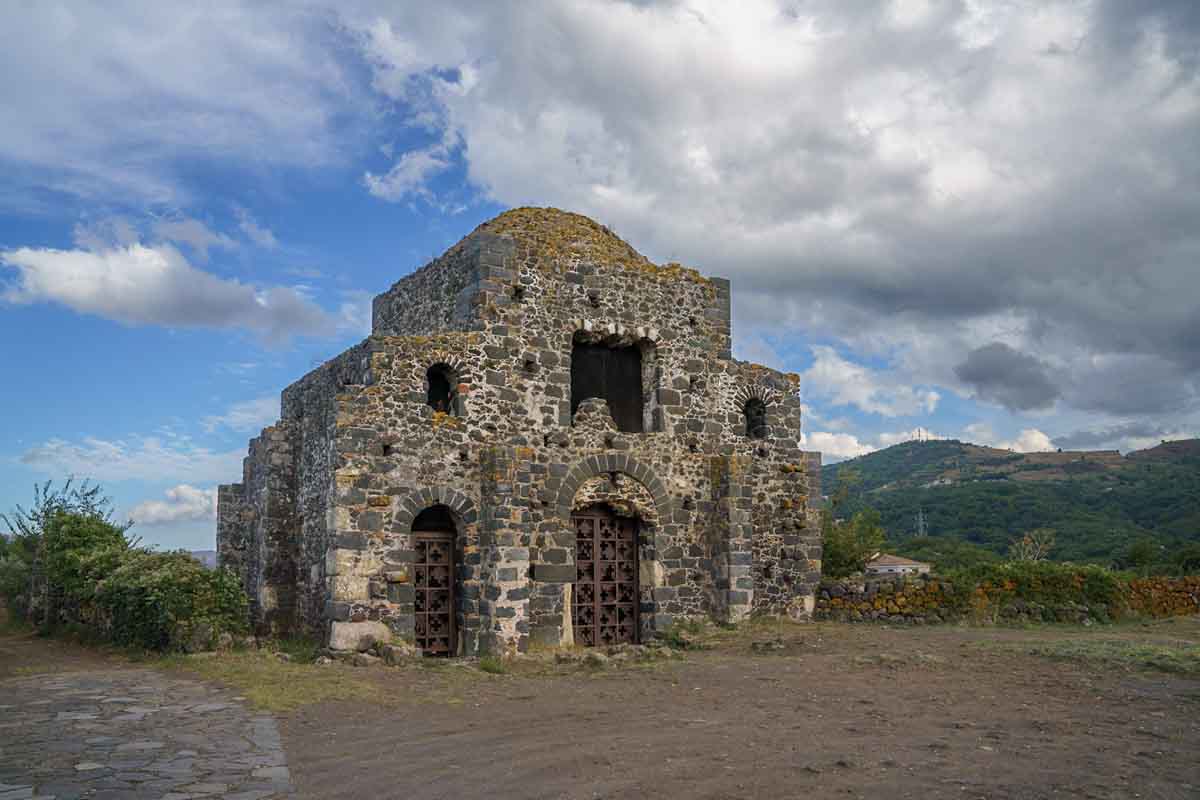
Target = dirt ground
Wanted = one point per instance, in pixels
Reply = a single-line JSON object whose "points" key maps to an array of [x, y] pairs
{"points": [[840, 711]]}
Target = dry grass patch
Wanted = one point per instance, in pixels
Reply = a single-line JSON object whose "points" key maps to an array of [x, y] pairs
{"points": [[1179, 657], [275, 685], [1168, 645]]}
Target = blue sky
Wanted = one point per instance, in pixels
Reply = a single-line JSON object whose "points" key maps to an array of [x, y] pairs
{"points": [[973, 220]]}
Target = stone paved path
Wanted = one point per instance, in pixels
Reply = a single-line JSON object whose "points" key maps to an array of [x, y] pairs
{"points": [[134, 733]]}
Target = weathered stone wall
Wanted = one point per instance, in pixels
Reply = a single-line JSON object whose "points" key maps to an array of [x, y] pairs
{"points": [[930, 599], [268, 510], [233, 530], [440, 296], [728, 521], [310, 406], [902, 599], [1164, 597]]}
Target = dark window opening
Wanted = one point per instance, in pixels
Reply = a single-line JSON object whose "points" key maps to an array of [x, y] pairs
{"points": [[613, 374], [756, 418], [435, 518], [442, 395]]}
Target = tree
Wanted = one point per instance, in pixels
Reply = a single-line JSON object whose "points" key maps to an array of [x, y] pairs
{"points": [[1140, 555], [1035, 545], [1187, 559], [946, 552], [848, 480], [848, 545], [23, 570]]}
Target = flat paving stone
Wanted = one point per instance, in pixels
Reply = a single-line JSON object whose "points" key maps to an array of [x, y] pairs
{"points": [[134, 733]]}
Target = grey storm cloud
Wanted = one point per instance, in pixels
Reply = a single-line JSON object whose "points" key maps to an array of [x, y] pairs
{"points": [[1092, 439], [920, 179], [1015, 380]]}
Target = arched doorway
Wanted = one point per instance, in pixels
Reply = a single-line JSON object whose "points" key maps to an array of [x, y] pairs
{"points": [[604, 602], [433, 533]]}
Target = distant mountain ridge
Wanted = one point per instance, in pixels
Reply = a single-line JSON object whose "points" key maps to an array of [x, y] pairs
{"points": [[944, 462], [1098, 501]]}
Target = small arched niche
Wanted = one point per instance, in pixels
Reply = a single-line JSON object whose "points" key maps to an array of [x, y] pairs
{"points": [[441, 381], [755, 414]]}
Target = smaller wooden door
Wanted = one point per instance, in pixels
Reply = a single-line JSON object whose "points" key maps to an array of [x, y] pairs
{"points": [[604, 602], [433, 582]]}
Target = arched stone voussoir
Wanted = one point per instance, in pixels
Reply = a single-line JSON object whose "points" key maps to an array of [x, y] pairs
{"points": [[599, 465], [417, 499]]}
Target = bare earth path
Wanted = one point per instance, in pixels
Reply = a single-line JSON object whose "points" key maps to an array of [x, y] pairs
{"points": [[74, 724], [844, 712], [839, 712]]}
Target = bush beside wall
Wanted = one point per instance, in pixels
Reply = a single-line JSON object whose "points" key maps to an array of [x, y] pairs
{"points": [[1016, 592], [170, 601], [78, 570]]}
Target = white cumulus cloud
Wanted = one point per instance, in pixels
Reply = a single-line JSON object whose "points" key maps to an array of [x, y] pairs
{"points": [[138, 284], [835, 446], [1029, 440], [248, 416], [137, 458], [844, 383], [193, 233], [183, 503]]}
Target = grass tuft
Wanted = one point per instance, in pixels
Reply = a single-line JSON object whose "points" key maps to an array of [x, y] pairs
{"points": [[493, 665], [1178, 657]]}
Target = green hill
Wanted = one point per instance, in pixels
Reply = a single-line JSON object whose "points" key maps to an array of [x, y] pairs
{"points": [[1098, 502]]}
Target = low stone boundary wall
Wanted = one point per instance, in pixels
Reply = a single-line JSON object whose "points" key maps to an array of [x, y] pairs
{"points": [[916, 600], [1164, 597], [929, 599]]}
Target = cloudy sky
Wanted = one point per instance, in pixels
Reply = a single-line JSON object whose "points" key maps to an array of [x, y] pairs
{"points": [[975, 219]]}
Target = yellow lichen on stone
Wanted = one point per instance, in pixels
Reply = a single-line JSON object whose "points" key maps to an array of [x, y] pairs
{"points": [[442, 419], [559, 235]]}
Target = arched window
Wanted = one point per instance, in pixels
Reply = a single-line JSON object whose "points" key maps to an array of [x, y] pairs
{"points": [[755, 412], [442, 394]]}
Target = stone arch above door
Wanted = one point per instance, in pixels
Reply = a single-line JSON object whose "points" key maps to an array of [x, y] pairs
{"points": [[413, 502], [627, 496], [595, 465]]}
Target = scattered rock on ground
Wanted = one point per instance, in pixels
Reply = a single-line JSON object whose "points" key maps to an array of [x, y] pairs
{"points": [[396, 654], [360, 636], [594, 658]]}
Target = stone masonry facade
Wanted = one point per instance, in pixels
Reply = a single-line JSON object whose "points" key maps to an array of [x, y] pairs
{"points": [[461, 402]]}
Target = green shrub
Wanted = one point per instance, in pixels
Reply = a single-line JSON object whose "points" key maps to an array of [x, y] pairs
{"points": [[1042, 582], [847, 546], [77, 551], [72, 515], [493, 665], [15, 574], [169, 601], [685, 634]]}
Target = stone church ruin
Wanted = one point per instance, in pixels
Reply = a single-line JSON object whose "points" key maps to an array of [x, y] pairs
{"points": [[546, 441]]}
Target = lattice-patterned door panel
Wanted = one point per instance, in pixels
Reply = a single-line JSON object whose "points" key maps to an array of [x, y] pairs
{"points": [[433, 581], [604, 603]]}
